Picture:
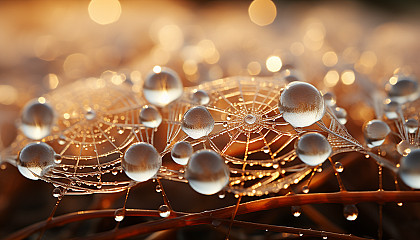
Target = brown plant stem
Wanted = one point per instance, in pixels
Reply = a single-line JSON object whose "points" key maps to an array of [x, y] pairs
{"points": [[181, 219]]}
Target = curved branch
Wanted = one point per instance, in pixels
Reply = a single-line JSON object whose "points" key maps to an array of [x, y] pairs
{"points": [[178, 219]]}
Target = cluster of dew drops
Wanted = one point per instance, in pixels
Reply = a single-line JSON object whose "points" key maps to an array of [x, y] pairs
{"points": [[300, 104]]}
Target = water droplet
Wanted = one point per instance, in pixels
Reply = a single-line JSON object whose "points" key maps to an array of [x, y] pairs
{"points": [[197, 122], [319, 169], [150, 116], [164, 211], [114, 171], [250, 119], [141, 161], [296, 211], [338, 167], [225, 124], [229, 117], [313, 148], [391, 109], [403, 90], [340, 114], [411, 125], [57, 158], [409, 169], [325, 237], [35, 159], [90, 115], [350, 212], [200, 97], [37, 120], [216, 223], [181, 152], [404, 147], [222, 195], [300, 234], [305, 189], [62, 140], [119, 214], [400, 204], [266, 149], [121, 130], [56, 193], [375, 132], [207, 172], [158, 188], [329, 99], [162, 88], [301, 104]]}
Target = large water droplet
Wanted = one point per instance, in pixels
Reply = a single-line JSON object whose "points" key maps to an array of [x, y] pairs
{"points": [[119, 214], [329, 99], [141, 162], [411, 125], [207, 172], [405, 147], [301, 104], [375, 132], [350, 212], [340, 114], [405, 89], [313, 148], [150, 116], [409, 169], [200, 97], [181, 152], [164, 211], [162, 87], [35, 159], [197, 122], [37, 120]]}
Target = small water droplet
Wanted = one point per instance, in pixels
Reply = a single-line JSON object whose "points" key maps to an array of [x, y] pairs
{"points": [[403, 90], [90, 115], [56, 193], [216, 223], [119, 214], [319, 169], [222, 195], [411, 125], [158, 188], [305, 189], [225, 124], [120, 131], [338, 167], [229, 117], [266, 149], [296, 211], [350, 212], [250, 119], [340, 114], [164, 211], [57, 158], [330, 99], [400, 204], [114, 171]]}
